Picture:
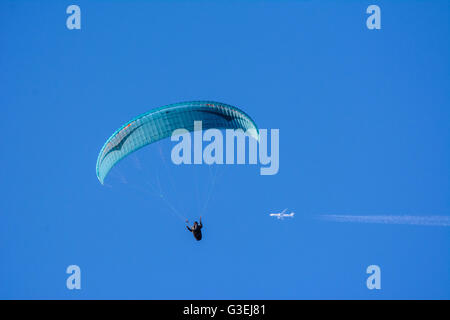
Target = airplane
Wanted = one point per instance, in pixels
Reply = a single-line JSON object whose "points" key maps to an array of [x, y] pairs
{"points": [[282, 215]]}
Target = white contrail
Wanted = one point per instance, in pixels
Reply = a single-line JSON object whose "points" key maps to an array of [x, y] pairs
{"points": [[443, 221]]}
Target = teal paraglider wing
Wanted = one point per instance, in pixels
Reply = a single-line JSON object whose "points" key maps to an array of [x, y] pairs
{"points": [[159, 124]]}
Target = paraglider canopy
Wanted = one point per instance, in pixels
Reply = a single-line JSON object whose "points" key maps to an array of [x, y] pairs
{"points": [[160, 123]]}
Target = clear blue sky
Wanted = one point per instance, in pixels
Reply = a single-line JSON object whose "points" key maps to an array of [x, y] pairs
{"points": [[364, 130]]}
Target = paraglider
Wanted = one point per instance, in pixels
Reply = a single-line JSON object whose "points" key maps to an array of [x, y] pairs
{"points": [[161, 123], [196, 229]]}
